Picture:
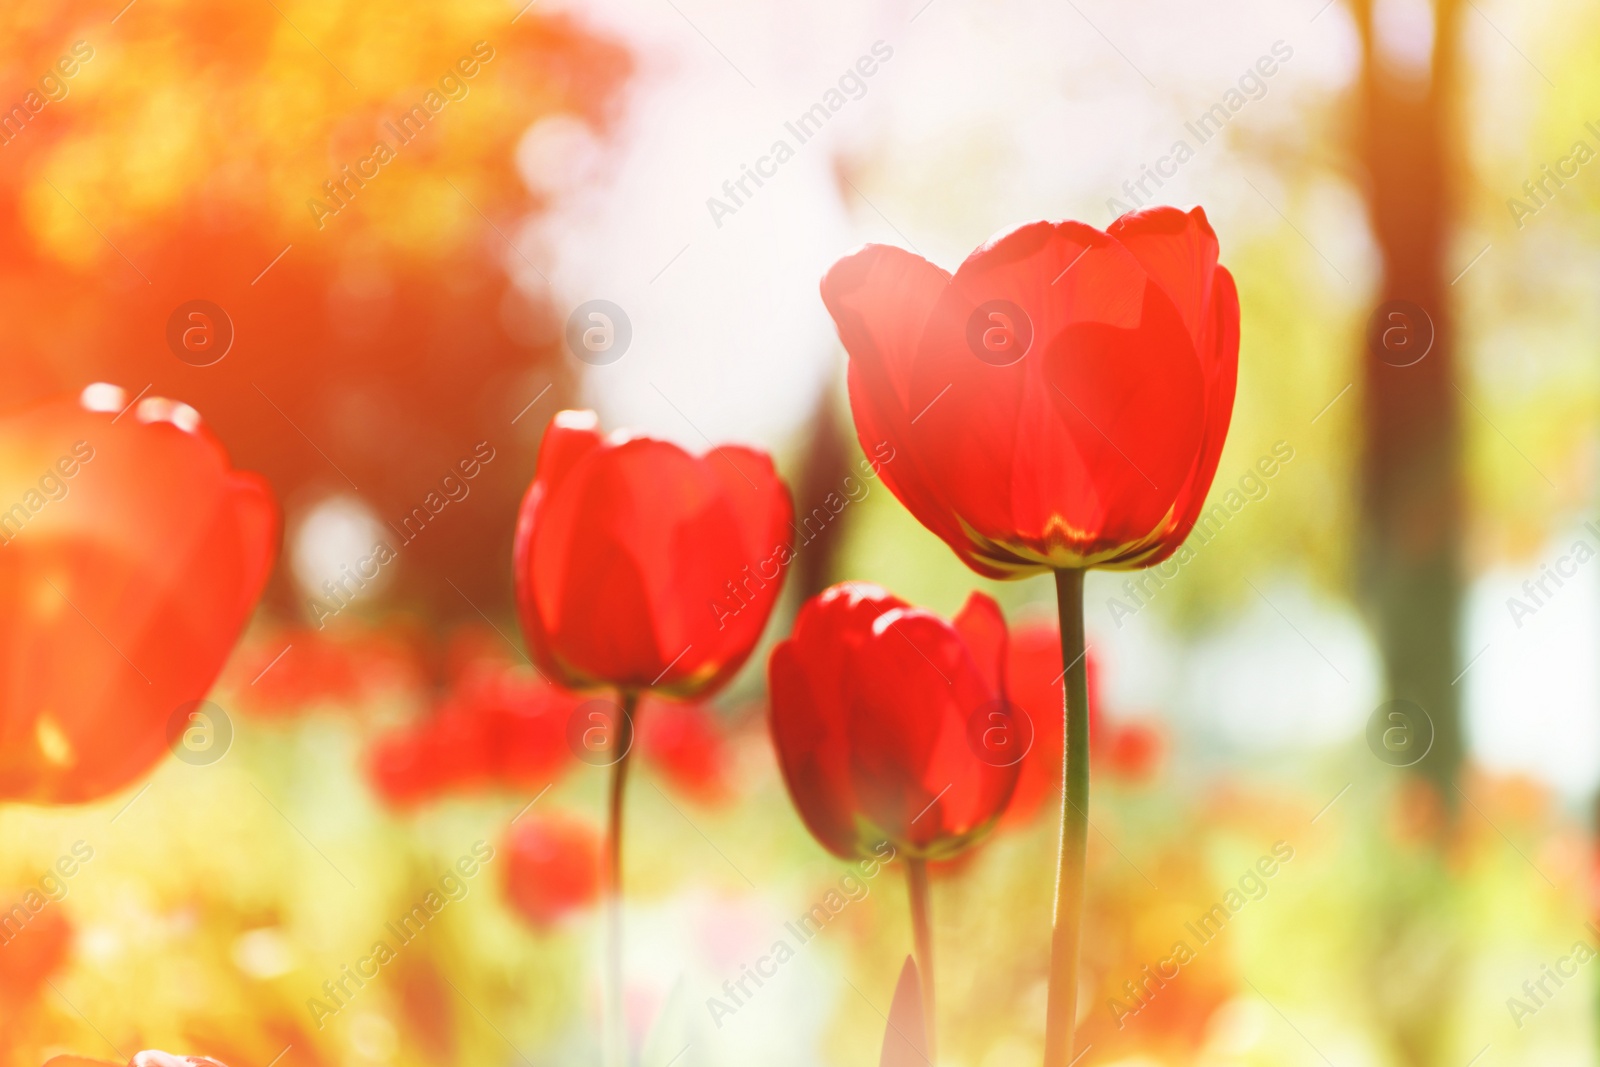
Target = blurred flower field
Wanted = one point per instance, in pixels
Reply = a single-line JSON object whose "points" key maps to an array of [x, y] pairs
{"points": [[237, 888]]}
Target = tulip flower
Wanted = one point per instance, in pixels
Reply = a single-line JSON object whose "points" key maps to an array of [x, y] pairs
{"points": [[553, 868], [1057, 404], [131, 556], [873, 710], [641, 567]]}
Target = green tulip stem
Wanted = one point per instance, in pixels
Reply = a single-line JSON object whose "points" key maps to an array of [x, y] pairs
{"points": [[922, 935], [616, 1039], [1062, 1005]]}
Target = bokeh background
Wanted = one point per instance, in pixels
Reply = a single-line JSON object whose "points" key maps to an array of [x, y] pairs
{"points": [[1399, 150]]}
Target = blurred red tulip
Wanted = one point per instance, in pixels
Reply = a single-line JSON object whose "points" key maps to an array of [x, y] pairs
{"points": [[1125, 750], [872, 703], [289, 671], [30, 951], [684, 743], [554, 867], [642, 567], [504, 730], [1061, 401], [133, 555]]}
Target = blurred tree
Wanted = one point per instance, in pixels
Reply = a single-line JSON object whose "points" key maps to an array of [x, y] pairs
{"points": [[200, 152], [1411, 488], [1411, 464]]}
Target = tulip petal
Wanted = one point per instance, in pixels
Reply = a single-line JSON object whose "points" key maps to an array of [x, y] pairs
{"points": [[1178, 249], [982, 626], [881, 298]]}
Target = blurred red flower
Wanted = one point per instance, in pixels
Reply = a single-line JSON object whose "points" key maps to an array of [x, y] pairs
{"points": [[502, 728], [29, 955], [1061, 401], [872, 706], [553, 867], [685, 744], [1126, 750], [289, 671], [133, 555], [499, 730], [642, 567]]}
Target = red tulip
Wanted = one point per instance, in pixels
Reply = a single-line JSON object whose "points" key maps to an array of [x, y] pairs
{"points": [[641, 566], [1061, 401], [872, 706], [501, 730], [133, 555], [553, 869]]}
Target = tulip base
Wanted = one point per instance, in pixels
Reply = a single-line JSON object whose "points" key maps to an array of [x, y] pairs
{"points": [[1062, 1007]]}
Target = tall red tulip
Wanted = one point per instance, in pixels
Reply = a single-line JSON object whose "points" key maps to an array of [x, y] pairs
{"points": [[642, 567], [1060, 402], [873, 710], [1057, 404], [132, 556]]}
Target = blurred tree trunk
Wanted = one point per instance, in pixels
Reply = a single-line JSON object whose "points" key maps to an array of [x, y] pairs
{"points": [[823, 470], [1411, 499], [1411, 491]]}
